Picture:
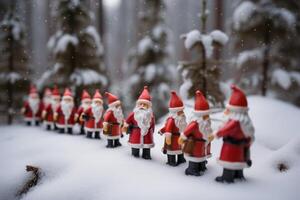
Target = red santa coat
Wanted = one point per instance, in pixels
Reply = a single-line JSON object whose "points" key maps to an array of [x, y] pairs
{"points": [[136, 140], [61, 118], [198, 152], [171, 130], [49, 115], [90, 125], [79, 112], [28, 114], [234, 145], [114, 127]]}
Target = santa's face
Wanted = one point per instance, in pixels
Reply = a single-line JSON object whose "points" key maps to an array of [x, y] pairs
{"points": [[67, 105], [34, 102], [180, 120], [47, 99], [97, 109], [143, 116], [86, 103], [118, 112], [143, 105]]}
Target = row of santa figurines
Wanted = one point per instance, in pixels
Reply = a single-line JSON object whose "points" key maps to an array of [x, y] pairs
{"points": [[191, 141]]}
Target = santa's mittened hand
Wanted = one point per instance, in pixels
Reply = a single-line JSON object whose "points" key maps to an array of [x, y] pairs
{"points": [[168, 140], [23, 111], [180, 140]]}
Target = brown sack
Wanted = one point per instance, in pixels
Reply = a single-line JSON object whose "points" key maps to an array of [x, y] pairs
{"points": [[189, 146]]}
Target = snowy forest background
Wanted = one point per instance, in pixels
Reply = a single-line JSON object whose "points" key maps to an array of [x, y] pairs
{"points": [[173, 44]]}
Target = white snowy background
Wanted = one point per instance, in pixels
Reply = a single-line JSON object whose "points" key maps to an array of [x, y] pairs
{"points": [[74, 167]]}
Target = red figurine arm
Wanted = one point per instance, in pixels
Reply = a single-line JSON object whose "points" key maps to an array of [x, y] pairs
{"points": [[190, 129], [228, 129], [169, 126]]}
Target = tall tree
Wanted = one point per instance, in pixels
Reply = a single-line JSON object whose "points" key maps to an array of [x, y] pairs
{"points": [[14, 73], [77, 51], [267, 32], [149, 58], [203, 73]]}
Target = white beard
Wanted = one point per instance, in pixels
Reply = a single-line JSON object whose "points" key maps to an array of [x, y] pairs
{"points": [[180, 121], [54, 105], [143, 119], [245, 122], [34, 104], [67, 109], [118, 113], [97, 112], [47, 101], [85, 106], [204, 125]]}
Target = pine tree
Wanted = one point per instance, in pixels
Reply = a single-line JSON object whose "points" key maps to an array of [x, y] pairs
{"points": [[267, 34], [148, 60], [77, 51], [14, 73], [203, 73]]}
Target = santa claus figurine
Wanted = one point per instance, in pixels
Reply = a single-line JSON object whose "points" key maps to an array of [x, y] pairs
{"points": [[65, 113], [174, 126], [32, 108], [113, 121], [86, 102], [140, 125], [238, 135], [92, 117], [197, 136], [49, 110], [46, 97]]}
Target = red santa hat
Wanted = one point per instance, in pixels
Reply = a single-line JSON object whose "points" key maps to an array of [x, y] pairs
{"points": [[85, 96], [97, 96], [145, 97], [67, 94], [55, 92], [175, 103], [112, 99], [33, 91], [201, 105], [238, 101], [47, 92]]}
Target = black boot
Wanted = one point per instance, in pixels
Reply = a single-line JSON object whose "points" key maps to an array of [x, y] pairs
{"points": [[227, 176], [135, 152], [146, 154], [117, 143], [180, 159], [61, 130], [55, 127], [239, 174], [70, 131], [89, 134], [48, 127], [109, 143], [82, 132], [202, 167], [97, 135], [171, 160], [193, 169], [37, 123], [28, 123]]}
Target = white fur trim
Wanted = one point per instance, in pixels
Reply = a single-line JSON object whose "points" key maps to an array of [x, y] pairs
{"points": [[183, 137], [114, 103], [112, 137], [237, 108], [47, 122], [177, 152], [144, 101], [201, 112], [29, 119], [194, 159], [232, 165], [209, 156], [98, 99], [93, 129], [140, 146], [168, 134], [176, 109], [64, 125]]}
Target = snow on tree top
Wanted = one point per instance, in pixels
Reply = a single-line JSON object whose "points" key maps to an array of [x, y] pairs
{"points": [[243, 13], [219, 36], [191, 38], [248, 55], [63, 42], [144, 44]]}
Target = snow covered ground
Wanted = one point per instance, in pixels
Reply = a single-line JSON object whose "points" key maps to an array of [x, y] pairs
{"points": [[78, 168]]}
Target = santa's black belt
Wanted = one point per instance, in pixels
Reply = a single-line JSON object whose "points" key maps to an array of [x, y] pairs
{"points": [[114, 123], [234, 141], [198, 139], [176, 134]]}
